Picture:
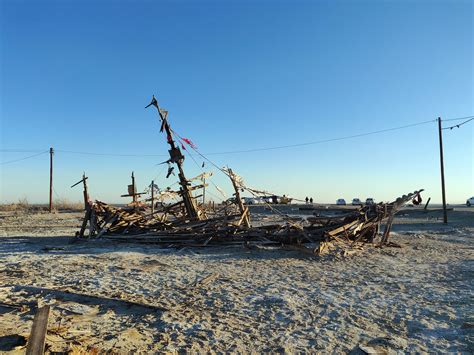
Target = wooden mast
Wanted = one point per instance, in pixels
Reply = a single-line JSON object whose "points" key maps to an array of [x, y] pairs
{"points": [[177, 157], [238, 200], [132, 192]]}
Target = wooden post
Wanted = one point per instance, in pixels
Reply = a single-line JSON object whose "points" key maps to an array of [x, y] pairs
{"points": [[37, 337], [441, 159], [134, 196], [427, 203], [152, 197], [132, 192], [239, 200], [51, 152], [85, 192], [203, 192]]}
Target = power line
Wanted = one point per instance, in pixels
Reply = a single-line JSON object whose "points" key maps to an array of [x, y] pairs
{"points": [[258, 149], [459, 125], [20, 151], [457, 119], [111, 154], [31, 156], [325, 140]]}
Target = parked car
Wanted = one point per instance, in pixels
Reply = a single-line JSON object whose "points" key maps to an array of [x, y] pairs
{"points": [[470, 202], [268, 199], [252, 200], [248, 201], [369, 201], [356, 202], [341, 202]]}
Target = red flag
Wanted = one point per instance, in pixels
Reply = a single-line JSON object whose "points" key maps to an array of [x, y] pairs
{"points": [[182, 146], [188, 142]]}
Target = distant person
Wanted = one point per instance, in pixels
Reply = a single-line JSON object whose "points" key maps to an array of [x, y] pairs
{"points": [[311, 200], [306, 199]]}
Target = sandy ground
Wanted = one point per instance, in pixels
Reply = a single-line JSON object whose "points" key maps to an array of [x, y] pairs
{"points": [[130, 297]]}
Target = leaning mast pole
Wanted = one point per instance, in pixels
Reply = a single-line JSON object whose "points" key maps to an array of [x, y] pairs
{"points": [[177, 157]]}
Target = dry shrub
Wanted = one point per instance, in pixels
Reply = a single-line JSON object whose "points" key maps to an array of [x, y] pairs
{"points": [[21, 205], [63, 204]]}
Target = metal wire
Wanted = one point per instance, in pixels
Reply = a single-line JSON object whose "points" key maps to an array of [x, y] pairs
{"points": [[28, 157]]}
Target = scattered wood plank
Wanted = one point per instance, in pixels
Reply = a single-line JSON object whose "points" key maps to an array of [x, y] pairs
{"points": [[37, 338]]}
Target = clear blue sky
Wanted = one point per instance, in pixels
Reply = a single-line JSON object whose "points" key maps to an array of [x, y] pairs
{"points": [[76, 75]]}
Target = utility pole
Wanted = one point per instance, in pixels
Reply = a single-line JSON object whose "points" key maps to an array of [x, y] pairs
{"points": [[51, 153], [177, 157], [441, 159]]}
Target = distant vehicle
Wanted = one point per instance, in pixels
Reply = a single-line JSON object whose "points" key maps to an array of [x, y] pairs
{"points": [[285, 200], [252, 200], [341, 202], [248, 201], [356, 202], [268, 199], [369, 201], [470, 202]]}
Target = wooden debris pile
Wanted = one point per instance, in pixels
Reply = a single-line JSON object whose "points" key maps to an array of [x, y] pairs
{"points": [[188, 223], [103, 218], [313, 234]]}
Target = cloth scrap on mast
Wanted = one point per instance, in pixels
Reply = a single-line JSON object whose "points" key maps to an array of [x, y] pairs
{"points": [[238, 179], [170, 170], [167, 194], [164, 115], [202, 176], [188, 142]]}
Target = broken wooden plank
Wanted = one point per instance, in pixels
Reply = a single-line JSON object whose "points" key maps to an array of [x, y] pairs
{"points": [[244, 215], [37, 337], [110, 221], [342, 228]]}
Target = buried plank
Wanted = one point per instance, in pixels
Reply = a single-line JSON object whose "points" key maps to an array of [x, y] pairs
{"points": [[38, 332]]}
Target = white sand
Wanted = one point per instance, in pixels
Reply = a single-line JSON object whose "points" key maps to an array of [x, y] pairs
{"points": [[414, 299]]}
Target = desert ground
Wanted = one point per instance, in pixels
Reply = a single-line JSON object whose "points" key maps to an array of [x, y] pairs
{"points": [[125, 297]]}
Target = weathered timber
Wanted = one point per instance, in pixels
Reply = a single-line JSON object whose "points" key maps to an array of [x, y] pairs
{"points": [[37, 338], [239, 199]]}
